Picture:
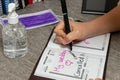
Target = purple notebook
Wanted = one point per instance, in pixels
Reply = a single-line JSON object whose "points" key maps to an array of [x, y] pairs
{"points": [[38, 19]]}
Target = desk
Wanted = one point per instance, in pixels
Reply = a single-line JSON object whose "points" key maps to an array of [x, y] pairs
{"points": [[21, 68]]}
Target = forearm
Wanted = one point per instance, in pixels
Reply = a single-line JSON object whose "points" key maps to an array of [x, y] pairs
{"points": [[109, 22]]}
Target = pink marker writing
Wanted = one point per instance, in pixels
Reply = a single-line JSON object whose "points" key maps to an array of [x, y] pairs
{"points": [[62, 56]]}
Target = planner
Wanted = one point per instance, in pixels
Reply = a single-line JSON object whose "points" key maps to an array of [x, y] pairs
{"points": [[57, 62]]}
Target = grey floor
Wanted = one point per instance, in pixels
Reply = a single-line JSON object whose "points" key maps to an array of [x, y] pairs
{"points": [[21, 68]]}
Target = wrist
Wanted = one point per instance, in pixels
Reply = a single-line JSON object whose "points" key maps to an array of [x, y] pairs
{"points": [[89, 30]]}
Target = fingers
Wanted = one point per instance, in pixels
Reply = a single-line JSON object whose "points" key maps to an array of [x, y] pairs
{"points": [[60, 26], [59, 30], [64, 38], [72, 36], [60, 33], [64, 41]]}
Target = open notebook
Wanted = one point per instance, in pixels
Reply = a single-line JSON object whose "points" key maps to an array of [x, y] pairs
{"points": [[58, 63]]}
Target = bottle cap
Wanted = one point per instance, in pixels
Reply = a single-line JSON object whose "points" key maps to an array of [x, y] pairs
{"points": [[12, 16]]}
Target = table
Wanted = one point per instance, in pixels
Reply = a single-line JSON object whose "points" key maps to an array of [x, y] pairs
{"points": [[21, 68]]}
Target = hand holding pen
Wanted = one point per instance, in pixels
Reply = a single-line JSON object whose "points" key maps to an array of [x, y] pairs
{"points": [[77, 32], [63, 31], [66, 20]]}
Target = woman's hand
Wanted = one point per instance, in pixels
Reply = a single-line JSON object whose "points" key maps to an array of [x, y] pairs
{"points": [[78, 32]]}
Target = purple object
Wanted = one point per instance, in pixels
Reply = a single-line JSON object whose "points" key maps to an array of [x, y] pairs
{"points": [[37, 20]]}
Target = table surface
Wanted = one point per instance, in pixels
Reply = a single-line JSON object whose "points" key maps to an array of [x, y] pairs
{"points": [[21, 68]]}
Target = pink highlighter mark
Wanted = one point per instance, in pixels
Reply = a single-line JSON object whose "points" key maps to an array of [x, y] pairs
{"points": [[64, 62], [58, 68], [68, 63], [62, 56], [86, 42]]}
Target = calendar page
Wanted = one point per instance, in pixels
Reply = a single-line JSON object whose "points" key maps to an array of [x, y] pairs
{"points": [[58, 62]]}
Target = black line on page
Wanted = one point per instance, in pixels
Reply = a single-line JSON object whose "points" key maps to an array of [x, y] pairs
{"points": [[45, 60], [65, 75]]}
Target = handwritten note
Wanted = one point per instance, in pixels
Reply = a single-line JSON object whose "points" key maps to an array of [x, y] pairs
{"points": [[61, 63], [57, 61], [97, 43]]}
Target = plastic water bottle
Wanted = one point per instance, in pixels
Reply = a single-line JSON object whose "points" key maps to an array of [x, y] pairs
{"points": [[14, 35]]}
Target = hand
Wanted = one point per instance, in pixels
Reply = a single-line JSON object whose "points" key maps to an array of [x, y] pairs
{"points": [[78, 32]]}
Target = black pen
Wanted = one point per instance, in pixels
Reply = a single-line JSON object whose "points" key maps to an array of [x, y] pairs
{"points": [[66, 20]]}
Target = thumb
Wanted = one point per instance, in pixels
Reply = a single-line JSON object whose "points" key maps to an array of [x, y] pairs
{"points": [[70, 37]]}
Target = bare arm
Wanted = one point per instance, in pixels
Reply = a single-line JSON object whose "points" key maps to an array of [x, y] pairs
{"points": [[109, 22]]}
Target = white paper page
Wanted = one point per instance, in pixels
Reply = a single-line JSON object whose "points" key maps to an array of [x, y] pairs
{"points": [[97, 45], [58, 63]]}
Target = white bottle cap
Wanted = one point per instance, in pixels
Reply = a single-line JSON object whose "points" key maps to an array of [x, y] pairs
{"points": [[12, 16]]}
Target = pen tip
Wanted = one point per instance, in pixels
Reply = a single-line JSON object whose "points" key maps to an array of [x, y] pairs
{"points": [[71, 48], [70, 45]]}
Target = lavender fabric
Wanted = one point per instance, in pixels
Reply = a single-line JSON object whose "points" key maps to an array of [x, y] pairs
{"points": [[37, 20]]}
